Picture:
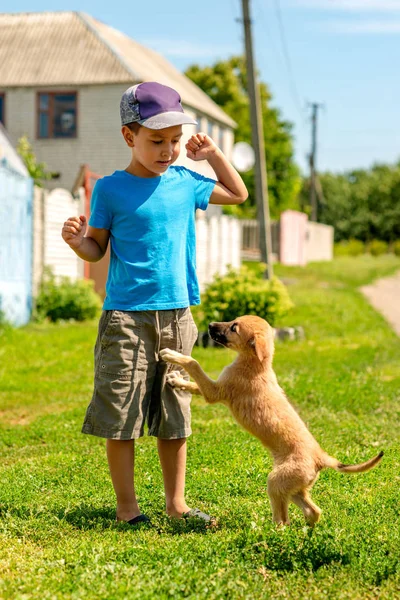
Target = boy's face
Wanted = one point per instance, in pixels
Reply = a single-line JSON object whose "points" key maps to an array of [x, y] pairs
{"points": [[153, 151]]}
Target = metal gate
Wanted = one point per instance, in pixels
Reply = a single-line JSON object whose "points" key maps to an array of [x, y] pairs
{"points": [[16, 196]]}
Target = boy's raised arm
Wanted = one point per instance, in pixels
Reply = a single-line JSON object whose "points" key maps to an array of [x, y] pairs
{"points": [[229, 188], [90, 247]]}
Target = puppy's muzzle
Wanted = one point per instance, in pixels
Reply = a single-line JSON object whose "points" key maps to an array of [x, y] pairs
{"points": [[217, 334]]}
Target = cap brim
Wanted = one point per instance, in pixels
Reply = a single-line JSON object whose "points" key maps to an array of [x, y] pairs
{"points": [[167, 119]]}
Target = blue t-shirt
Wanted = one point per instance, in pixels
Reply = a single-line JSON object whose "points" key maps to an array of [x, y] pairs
{"points": [[152, 237]]}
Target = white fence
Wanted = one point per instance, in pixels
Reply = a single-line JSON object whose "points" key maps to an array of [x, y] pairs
{"points": [[320, 242], [218, 245], [295, 239], [50, 210]]}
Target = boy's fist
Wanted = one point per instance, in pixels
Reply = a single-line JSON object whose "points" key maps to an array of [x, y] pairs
{"points": [[200, 146], [74, 231]]}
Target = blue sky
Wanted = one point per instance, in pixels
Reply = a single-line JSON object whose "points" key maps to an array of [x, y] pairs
{"points": [[342, 53]]}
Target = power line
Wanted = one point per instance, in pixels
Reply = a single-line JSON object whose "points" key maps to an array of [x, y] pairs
{"points": [[283, 55], [293, 86]]}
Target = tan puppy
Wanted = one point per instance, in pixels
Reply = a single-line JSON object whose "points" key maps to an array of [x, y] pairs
{"points": [[250, 388]]}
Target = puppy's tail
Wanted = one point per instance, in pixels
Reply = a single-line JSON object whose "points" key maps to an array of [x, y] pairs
{"points": [[333, 463]]}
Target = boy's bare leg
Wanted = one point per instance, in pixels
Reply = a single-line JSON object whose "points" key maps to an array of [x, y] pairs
{"points": [[172, 455], [121, 459]]}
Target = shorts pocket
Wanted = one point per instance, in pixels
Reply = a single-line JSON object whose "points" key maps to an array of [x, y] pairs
{"points": [[190, 333], [120, 346]]}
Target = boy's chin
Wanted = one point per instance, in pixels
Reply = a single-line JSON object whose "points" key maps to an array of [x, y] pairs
{"points": [[163, 167]]}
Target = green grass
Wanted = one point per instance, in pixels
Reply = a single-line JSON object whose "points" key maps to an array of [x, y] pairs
{"points": [[58, 538]]}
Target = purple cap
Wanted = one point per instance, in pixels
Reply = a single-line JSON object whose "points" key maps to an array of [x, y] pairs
{"points": [[154, 106]]}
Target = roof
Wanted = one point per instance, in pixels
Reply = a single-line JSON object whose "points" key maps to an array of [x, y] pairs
{"points": [[73, 48]]}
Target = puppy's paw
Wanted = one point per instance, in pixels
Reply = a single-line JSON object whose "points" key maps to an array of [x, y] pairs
{"points": [[175, 380], [171, 356]]}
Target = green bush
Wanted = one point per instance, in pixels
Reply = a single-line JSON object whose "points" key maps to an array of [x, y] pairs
{"points": [[396, 247], [66, 299], [349, 248], [4, 323], [243, 292], [377, 247]]}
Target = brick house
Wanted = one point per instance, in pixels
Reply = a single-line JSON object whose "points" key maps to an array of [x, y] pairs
{"points": [[62, 75]]}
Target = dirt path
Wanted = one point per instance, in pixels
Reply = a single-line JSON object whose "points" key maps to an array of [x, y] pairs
{"points": [[384, 295]]}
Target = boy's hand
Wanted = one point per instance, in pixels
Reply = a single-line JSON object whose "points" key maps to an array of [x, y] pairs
{"points": [[74, 231], [200, 147]]}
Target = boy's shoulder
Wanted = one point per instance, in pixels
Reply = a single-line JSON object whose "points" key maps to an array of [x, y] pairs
{"points": [[109, 180], [180, 172], [106, 184]]}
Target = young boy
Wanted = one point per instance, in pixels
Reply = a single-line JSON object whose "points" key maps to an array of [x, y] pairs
{"points": [[147, 212]]}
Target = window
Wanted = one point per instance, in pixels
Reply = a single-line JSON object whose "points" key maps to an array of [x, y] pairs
{"points": [[2, 107], [57, 115], [198, 126], [221, 136]]}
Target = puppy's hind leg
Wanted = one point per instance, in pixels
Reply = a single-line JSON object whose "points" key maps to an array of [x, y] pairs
{"points": [[279, 500], [311, 511]]}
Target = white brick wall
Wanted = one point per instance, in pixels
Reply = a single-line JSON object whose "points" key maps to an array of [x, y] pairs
{"points": [[99, 142]]}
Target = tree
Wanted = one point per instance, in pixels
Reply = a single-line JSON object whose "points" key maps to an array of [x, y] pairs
{"points": [[38, 171], [225, 82], [361, 204]]}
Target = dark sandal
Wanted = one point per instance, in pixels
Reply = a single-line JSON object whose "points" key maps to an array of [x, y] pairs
{"points": [[197, 514], [139, 519]]}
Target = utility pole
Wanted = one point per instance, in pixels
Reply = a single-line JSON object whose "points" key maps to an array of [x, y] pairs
{"points": [[258, 145], [313, 190]]}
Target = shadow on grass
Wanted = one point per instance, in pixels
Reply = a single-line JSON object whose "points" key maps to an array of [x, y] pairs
{"points": [[291, 550], [87, 518]]}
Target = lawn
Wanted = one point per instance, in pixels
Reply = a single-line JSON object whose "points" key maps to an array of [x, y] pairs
{"points": [[58, 538]]}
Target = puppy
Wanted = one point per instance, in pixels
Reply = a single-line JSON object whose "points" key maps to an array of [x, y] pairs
{"points": [[250, 389]]}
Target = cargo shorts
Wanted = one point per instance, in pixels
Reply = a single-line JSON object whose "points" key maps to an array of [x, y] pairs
{"points": [[130, 386]]}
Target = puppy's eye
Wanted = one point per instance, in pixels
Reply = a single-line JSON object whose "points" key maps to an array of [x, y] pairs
{"points": [[233, 327]]}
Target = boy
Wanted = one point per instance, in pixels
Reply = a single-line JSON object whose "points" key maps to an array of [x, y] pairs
{"points": [[147, 212]]}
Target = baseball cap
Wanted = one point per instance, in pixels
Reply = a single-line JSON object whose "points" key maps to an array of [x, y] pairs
{"points": [[153, 105]]}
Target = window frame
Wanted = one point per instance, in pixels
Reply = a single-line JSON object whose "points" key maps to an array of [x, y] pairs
{"points": [[3, 97], [199, 119], [50, 112], [221, 137]]}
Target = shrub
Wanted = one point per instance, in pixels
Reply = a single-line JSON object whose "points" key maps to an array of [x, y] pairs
{"points": [[349, 248], [242, 292], [377, 247], [396, 247], [4, 323], [66, 299]]}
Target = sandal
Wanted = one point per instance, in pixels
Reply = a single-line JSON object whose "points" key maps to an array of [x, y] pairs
{"points": [[138, 520], [197, 514]]}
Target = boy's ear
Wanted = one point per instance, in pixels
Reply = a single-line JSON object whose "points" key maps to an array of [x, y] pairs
{"points": [[259, 344], [128, 135]]}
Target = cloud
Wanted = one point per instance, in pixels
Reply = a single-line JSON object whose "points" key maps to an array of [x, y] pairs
{"points": [[185, 49], [360, 27], [353, 5]]}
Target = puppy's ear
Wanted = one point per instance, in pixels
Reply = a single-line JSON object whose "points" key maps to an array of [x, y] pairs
{"points": [[259, 343]]}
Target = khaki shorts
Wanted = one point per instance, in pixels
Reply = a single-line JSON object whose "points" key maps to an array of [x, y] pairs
{"points": [[129, 386]]}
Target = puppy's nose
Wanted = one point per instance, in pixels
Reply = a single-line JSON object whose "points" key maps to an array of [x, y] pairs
{"points": [[212, 327]]}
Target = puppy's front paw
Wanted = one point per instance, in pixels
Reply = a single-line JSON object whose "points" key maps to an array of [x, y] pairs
{"points": [[176, 380], [171, 356]]}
